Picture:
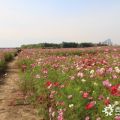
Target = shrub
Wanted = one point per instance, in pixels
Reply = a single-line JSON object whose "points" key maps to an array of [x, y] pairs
{"points": [[8, 56]]}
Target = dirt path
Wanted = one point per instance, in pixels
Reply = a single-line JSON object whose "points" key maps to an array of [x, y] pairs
{"points": [[9, 91]]}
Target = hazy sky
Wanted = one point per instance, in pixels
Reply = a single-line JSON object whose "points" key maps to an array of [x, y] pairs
{"points": [[36, 21]]}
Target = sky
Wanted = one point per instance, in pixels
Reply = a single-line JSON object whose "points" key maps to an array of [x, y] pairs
{"points": [[55, 21]]}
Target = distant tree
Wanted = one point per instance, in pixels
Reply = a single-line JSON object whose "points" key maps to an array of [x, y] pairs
{"points": [[69, 45], [86, 45]]}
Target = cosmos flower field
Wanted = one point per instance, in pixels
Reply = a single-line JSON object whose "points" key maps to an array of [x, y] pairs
{"points": [[72, 84]]}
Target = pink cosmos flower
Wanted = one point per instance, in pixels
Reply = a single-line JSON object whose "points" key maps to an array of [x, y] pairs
{"points": [[114, 76], [45, 71], [87, 118], [72, 77], [107, 84], [33, 65], [110, 70], [100, 71], [101, 97], [85, 95], [37, 76], [80, 75], [114, 49], [117, 117], [98, 118], [106, 50], [104, 62], [62, 86], [24, 67], [60, 115]]}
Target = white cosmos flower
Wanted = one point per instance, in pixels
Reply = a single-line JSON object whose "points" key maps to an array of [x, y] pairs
{"points": [[92, 72], [71, 105], [83, 80], [95, 84], [116, 67], [116, 102], [117, 70]]}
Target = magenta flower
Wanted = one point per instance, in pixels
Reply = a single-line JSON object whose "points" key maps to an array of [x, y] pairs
{"points": [[115, 90], [90, 105]]}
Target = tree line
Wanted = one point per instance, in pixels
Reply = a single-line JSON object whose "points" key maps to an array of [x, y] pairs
{"points": [[62, 45]]}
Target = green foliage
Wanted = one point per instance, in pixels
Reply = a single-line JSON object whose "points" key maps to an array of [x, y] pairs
{"points": [[69, 45], [2, 65], [8, 56], [86, 45]]}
